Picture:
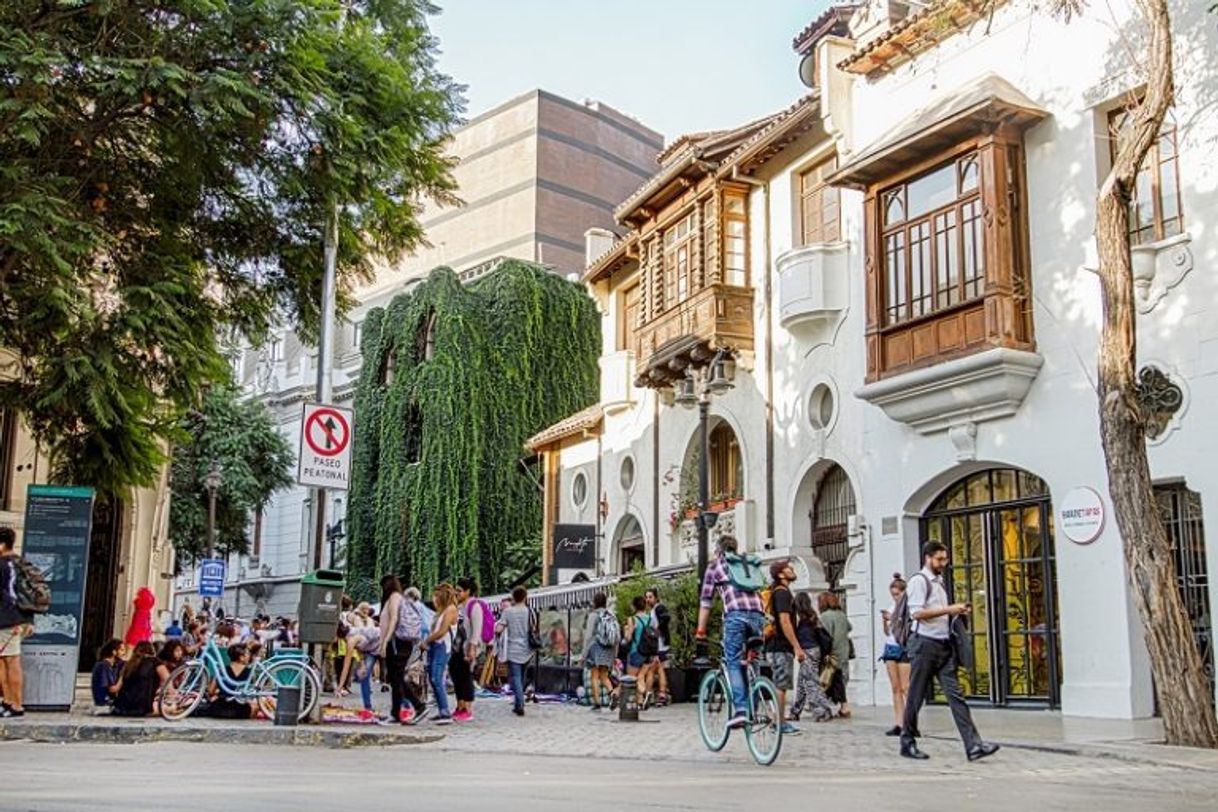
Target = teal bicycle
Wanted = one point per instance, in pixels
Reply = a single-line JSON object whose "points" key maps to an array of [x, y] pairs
{"points": [[189, 683], [763, 729]]}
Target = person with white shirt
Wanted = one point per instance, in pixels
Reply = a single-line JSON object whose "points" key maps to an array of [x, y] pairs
{"points": [[931, 652]]}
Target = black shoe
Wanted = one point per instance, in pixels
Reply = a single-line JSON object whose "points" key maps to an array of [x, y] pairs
{"points": [[893, 731], [518, 711], [982, 750], [911, 751]]}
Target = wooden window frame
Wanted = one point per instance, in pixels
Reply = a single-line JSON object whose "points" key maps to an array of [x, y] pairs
{"points": [[1153, 165], [726, 464], [813, 195], [678, 259], [625, 329], [727, 217]]}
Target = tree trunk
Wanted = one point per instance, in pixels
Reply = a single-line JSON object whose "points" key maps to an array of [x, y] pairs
{"points": [[1183, 692]]}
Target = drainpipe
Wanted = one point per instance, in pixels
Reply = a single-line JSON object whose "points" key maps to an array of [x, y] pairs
{"points": [[768, 293], [875, 668], [600, 464]]}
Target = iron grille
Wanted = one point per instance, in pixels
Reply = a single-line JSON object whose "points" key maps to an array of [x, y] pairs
{"points": [[1180, 510], [831, 513]]}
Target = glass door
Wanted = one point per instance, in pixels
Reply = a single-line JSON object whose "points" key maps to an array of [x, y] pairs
{"points": [[1026, 625]]}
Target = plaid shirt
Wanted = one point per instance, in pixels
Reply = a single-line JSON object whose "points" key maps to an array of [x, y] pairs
{"points": [[734, 600]]}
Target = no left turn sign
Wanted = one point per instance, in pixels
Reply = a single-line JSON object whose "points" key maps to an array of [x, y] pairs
{"points": [[325, 447]]}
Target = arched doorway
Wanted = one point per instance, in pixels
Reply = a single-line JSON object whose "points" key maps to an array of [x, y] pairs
{"points": [[629, 547], [830, 515], [998, 528]]}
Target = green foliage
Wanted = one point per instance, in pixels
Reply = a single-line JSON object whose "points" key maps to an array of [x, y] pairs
{"points": [[682, 596], [254, 459], [438, 490], [165, 173]]}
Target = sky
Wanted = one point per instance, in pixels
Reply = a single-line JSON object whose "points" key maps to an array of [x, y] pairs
{"points": [[676, 65]]}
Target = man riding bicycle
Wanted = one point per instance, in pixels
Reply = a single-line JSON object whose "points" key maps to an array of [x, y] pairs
{"points": [[742, 619]]}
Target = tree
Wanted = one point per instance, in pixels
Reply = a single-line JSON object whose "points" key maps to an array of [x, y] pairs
{"points": [[166, 171], [1185, 700], [254, 461]]}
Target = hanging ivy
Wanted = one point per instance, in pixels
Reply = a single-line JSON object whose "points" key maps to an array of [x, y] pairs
{"points": [[455, 378]]}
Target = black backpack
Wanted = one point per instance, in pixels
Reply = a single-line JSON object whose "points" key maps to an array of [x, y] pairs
{"points": [[649, 641]]}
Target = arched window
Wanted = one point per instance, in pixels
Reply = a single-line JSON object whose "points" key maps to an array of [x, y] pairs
{"points": [[726, 465], [831, 514], [425, 338]]}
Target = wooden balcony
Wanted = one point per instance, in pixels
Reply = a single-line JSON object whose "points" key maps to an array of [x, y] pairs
{"points": [[716, 317]]}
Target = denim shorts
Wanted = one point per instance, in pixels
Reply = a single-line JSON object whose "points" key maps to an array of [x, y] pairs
{"points": [[894, 652]]}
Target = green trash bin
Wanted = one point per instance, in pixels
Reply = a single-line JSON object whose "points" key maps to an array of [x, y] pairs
{"points": [[321, 595]]}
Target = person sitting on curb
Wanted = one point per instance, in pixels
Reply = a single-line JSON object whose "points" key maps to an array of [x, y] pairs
{"points": [[106, 672]]}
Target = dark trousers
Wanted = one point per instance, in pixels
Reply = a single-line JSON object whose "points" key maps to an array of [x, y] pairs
{"points": [[462, 673], [397, 655], [516, 670], [933, 658]]}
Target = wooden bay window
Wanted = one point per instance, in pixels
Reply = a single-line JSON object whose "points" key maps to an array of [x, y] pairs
{"points": [[819, 205]]}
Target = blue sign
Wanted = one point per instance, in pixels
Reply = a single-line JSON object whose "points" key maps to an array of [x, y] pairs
{"points": [[211, 578]]}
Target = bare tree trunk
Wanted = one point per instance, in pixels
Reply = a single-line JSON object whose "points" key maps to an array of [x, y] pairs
{"points": [[1183, 692]]}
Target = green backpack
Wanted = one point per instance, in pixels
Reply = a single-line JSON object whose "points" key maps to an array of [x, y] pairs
{"points": [[745, 572]]}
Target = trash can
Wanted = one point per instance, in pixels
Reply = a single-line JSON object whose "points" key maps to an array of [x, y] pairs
{"points": [[287, 706], [628, 709], [321, 595]]}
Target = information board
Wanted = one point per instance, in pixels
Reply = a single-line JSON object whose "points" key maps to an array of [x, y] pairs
{"points": [[58, 521]]}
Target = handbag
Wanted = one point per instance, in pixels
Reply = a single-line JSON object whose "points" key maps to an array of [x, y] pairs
{"points": [[851, 642], [828, 670]]}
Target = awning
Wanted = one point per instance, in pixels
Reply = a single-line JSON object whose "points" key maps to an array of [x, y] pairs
{"points": [[952, 117]]}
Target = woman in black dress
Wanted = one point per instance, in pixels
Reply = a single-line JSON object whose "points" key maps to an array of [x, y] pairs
{"points": [[138, 684]]}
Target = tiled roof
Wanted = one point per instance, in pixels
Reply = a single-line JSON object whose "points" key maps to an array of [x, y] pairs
{"points": [[774, 123], [918, 32], [575, 424], [832, 15]]}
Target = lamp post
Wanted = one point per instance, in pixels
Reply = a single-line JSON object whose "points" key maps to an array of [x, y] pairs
{"points": [[212, 483], [697, 390]]}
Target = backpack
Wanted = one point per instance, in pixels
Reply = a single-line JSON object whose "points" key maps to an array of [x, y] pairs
{"points": [[488, 619], [31, 588], [745, 572], [900, 625], [647, 640], [771, 620], [608, 631], [410, 621]]}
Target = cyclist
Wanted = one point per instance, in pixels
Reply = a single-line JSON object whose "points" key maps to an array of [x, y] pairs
{"points": [[742, 619]]}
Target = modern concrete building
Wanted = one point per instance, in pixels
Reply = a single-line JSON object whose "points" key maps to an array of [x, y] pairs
{"points": [[900, 268], [533, 174]]}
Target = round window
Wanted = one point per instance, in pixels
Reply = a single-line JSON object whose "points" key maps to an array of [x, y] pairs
{"points": [[628, 474], [579, 490], [821, 406]]}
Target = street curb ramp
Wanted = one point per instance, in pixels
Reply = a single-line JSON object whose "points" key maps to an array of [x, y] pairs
{"points": [[305, 736]]}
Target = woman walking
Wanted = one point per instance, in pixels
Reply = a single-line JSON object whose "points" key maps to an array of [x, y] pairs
{"points": [[895, 658], [515, 624], [439, 646], [815, 642], [399, 633], [835, 622]]}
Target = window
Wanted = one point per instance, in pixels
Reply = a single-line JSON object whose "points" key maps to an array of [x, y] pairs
{"points": [[357, 334], [1155, 211], [726, 464], [8, 438], [821, 407], [628, 322], [579, 490], [627, 474], [678, 245], [934, 255], [735, 240], [425, 338], [413, 424], [1180, 510], [819, 205], [275, 350]]}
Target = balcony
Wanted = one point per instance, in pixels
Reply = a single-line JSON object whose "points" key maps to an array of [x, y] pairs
{"points": [[813, 286], [617, 380], [717, 316]]}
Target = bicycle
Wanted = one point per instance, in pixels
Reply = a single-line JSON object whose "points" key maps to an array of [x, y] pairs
{"points": [[189, 682], [763, 729]]}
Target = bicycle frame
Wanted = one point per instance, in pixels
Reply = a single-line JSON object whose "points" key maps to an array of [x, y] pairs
{"points": [[213, 664]]}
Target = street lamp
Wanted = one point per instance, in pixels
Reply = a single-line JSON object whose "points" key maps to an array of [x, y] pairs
{"points": [[697, 390], [212, 483]]}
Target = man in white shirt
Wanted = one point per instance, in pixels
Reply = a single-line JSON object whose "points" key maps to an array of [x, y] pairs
{"points": [[933, 656]]}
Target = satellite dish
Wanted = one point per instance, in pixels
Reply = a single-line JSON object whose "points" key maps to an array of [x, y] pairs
{"points": [[807, 70]]}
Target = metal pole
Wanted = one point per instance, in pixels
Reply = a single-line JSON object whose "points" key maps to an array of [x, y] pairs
{"points": [[211, 522], [703, 483], [325, 341]]}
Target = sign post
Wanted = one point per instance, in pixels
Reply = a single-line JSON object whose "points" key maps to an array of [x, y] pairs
{"points": [[58, 521], [324, 460]]}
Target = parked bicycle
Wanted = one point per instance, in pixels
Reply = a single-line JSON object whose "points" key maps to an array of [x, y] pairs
{"points": [[763, 729], [190, 682]]}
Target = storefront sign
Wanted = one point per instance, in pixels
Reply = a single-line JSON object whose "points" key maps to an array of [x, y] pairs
{"points": [[1080, 515], [58, 521], [574, 546]]}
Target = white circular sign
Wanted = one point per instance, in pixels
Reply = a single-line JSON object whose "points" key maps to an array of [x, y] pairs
{"points": [[1080, 515]]}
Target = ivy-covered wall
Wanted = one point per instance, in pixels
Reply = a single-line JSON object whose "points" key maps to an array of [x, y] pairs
{"points": [[455, 378]]}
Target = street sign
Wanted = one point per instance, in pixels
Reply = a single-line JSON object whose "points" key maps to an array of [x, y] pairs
{"points": [[212, 572], [325, 447], [58, 525]]}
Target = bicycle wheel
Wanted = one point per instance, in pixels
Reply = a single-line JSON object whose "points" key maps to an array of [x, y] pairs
{"points": [[764, 729], [714, 708], [289, 673], [182, 691]]}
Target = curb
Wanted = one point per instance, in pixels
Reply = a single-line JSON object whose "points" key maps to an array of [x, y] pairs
{"points": [[1154, 754], [142, 734]]}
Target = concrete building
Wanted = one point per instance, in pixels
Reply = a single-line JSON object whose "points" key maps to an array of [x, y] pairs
{"points": [[533, 174], [913, 334]]}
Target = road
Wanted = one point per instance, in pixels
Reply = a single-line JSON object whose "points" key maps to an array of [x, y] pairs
{"points": [[208, 777]]}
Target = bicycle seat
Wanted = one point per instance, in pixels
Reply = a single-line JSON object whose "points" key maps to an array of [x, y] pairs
{"points": [[755, 643]]}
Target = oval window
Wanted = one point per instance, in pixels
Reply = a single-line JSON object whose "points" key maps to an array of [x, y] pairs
{"points": [[821, 406], [628, 474], [579, 490]]}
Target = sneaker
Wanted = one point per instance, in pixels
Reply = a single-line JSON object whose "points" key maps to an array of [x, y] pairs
{"points": [[442, 720], [895, 730], [405, 715], [737, 721], [463, 716], [418, 716], [789, 729], [9, 712]]}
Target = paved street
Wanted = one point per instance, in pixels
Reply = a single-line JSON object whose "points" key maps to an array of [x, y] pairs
{"points": [[559, 756]]}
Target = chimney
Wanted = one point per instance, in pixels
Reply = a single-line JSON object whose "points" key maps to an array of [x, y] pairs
{"points": [[597, 241]]}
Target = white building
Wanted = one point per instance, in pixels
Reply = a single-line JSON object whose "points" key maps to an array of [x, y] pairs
{"points": [[914, 329]]}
